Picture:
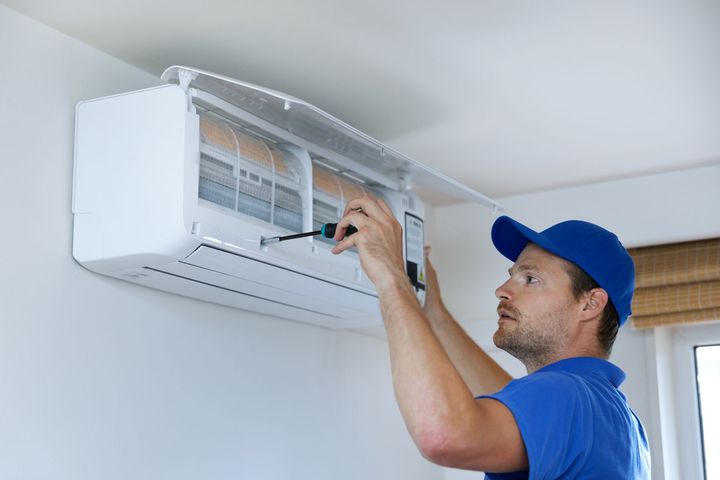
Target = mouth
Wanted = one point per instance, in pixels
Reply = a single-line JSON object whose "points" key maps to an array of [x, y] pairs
{"points": [[504, 315]]}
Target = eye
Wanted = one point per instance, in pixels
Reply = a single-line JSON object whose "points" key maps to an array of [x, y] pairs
{"points": [[530, 280]]}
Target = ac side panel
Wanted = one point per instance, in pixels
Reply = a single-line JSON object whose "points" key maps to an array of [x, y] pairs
{"points": [[87, 238], [129, 177]]}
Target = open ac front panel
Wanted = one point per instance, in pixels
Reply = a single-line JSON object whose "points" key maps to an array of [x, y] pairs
{"points": [[174, 187]]}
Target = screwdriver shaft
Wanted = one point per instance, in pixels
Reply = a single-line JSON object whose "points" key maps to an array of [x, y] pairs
{"points": [[327, 230]]}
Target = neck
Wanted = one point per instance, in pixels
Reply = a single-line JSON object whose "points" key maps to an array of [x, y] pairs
{"points": [[539, 361]]}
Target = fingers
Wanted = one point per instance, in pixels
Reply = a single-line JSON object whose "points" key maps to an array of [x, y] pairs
{"points": [[357, 219], [360, 209], [343, 245], [428, 264], [367, 204], [384, 206], [432, 295], [368, 215]]}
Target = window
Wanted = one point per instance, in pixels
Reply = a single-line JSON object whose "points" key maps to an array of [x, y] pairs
{"points": [[689, 416], [707, 361]]}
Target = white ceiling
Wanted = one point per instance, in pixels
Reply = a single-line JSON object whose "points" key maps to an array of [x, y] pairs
{"points": [[505, 96]]}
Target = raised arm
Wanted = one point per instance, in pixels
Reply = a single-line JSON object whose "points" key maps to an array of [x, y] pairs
{"points": [[480, 372], [447, 424]]}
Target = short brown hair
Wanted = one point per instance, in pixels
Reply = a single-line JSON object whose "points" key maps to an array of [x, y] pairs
{"points": [[581, 282]]}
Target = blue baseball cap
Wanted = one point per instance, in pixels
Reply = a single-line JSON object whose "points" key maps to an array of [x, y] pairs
{"points": [[595, 250]]}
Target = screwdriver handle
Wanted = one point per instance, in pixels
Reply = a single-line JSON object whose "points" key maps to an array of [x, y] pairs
{"points": [[328, 230]]}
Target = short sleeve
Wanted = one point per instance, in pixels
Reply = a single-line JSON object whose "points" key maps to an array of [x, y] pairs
{"points": [[553, 412]]}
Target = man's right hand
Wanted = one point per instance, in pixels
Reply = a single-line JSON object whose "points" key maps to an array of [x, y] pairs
{"points": [[433, 299]]}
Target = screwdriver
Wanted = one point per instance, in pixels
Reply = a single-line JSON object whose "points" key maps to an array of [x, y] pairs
{"points": [[327, 230]]}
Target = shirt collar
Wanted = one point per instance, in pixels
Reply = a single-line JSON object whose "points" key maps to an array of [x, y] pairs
{"points": [[588, 366]]}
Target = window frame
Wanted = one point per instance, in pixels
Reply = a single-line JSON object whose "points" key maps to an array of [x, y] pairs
{"points": [[685, 340]]}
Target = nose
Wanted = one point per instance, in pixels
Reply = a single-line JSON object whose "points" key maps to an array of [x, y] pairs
{"points": [[503, 291]]}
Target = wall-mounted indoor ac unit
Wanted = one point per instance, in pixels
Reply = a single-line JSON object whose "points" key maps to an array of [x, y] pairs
{"points": [[174, 187]]}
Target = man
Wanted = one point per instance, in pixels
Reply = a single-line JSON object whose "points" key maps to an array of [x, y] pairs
{"points": [[568, 292]]}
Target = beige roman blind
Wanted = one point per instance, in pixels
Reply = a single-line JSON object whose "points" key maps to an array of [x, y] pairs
{"points": [[676, 283]]}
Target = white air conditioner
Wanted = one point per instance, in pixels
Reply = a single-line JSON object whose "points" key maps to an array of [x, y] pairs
{"points": [[175, 186]]}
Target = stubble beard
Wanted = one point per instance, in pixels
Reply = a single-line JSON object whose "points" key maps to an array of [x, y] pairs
{"points": [[534, 343]]}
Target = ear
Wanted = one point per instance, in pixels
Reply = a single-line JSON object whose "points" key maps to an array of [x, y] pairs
{"points": [[594, 303]]}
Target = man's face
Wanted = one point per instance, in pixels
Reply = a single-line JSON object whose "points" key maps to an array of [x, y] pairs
{"points": [[535, 307]]}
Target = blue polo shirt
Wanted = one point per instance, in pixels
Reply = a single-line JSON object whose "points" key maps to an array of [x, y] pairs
{"points": [[575, 423]]}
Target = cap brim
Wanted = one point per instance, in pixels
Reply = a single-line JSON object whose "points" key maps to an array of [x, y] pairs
{"points": [[510, 239]]}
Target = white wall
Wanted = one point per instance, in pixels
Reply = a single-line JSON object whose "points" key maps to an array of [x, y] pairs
{"points": [[668, 207], [104, 379]]}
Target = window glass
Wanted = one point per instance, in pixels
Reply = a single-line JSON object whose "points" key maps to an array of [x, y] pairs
{"points": [[707, 359]]}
